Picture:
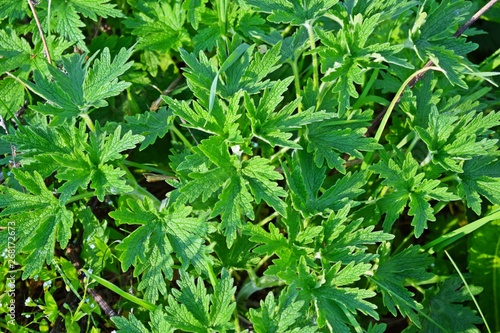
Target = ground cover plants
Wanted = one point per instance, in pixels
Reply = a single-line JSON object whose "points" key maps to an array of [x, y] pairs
{"points": [[249, 166]]}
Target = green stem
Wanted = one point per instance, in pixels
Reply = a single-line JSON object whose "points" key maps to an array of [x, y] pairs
{"points": [[280, 152], [65, 279], [147, 167], [449, 178], [296, 80], [237, 328], [312, 43], [49, 7], [367, 88], [403, 243], [391, 107], [88, 121], [416, 139], [182, 137], [117, 290], [211, 274], [80, 197], [269, 218], [138, 190], [222, 7], [396, 98], [451, 237]]}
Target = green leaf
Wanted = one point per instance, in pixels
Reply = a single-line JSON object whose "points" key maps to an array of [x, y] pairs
{"points": [[391, 274], [159, 25], [305, 179], [481, 177], [330, 139], [95, 9], [454, 137], [13, 97], [151, 125], [388, 9], [296, 13], [78, 88], [273, 126], [335, 243], [41, 144], [192, 309], [408, 184], [335, 303], [130, 325], [281, 317], [92, 165], [41, 220], [162, 236], [345, 55], [236, 180], [68, 22], [246, 72], [101, 81], [233, 57], [442, 19], [261, 177], [194, 10], [222, 120], [451, 63], [239, 256], [14, 51], [442, 303], [234, 201], [346, 241], [13, 10], [437, 40]]}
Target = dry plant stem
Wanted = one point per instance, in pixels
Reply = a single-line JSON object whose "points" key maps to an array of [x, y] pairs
{"points": [[73, 258], [475, 17], [39, 25], [412, 83], [156, 104]]}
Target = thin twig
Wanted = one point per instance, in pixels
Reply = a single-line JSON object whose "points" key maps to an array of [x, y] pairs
{"points": [[170, 88], [39, 25], [417, 78], [475, 17]]}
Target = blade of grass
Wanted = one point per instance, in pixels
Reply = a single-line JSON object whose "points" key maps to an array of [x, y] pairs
{"points": [[451, 237], [117, 290], [468, 289], [227, 63]]}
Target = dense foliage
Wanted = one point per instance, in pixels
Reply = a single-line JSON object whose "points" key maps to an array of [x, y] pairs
{"points": [[248, 166]]}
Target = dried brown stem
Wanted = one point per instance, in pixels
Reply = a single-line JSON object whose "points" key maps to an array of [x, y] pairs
{"points": [[39, 25], [73, 258], [475, 17], [170, 88]]}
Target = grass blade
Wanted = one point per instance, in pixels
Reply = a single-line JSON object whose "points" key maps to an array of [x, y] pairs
{"points": [[116, 289], [451, 237], [468, 289], [227, 63]]}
